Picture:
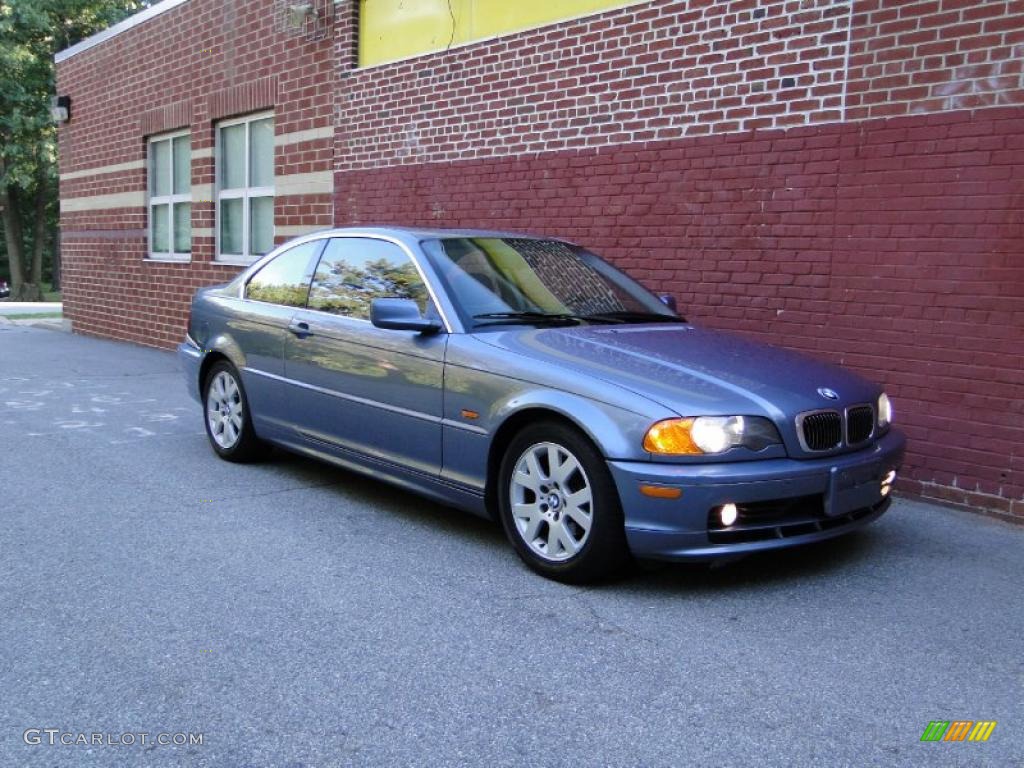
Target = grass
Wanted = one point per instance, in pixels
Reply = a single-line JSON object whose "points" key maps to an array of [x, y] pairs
{"points": [[48, 293]]}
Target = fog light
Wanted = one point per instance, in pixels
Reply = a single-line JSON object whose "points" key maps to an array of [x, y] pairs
{"points": [[728, 514], [887, 482]]}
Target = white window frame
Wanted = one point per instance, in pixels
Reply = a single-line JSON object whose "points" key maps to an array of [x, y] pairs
{"points": [[246, 193], [168, 200]]}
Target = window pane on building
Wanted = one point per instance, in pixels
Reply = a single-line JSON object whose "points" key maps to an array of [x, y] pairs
{"points": [[160, 168], [261, 151], [183, 228], [182, 165], [231, 226], [161, 225], [232, 156], [261, 225]]}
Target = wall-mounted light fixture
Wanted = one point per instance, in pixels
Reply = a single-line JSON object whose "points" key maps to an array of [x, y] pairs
{"points": [[60, 108], [298, 15]]}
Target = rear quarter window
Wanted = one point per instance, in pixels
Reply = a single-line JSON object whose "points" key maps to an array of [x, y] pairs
{"points": [[285, 279]]}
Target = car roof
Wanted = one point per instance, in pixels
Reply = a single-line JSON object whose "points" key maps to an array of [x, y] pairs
{"points": [[430, 233]]}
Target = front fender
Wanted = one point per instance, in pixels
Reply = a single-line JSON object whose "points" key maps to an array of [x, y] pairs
{"points": [[617, 432], [468, 447]]}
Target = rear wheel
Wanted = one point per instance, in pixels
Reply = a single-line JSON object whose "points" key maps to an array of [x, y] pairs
{"points": [[559, 506], [228, 421]]}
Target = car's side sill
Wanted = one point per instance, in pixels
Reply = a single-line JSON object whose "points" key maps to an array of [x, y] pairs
{"points": [[434, 487]]}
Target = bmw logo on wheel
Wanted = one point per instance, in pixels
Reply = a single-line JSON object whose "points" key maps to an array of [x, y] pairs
{"points": [[828, 394]]}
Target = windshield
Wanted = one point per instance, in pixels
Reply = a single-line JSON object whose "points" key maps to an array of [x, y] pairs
{"points": [[521, 280]]}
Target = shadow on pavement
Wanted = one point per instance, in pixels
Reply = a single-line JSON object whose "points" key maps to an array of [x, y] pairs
{"points": [[826, 558], [758, 570]]}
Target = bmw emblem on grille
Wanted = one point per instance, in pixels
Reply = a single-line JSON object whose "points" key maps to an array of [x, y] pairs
{"points": [[828, 394]]}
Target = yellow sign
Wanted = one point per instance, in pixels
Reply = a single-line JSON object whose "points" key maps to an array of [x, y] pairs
{"points": [[390, 30]]}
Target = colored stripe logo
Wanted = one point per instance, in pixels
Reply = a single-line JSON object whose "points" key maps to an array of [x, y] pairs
{"points": [[958, 730]]}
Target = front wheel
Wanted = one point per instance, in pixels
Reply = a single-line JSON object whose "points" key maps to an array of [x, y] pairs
{"points": [[559, 506], [228, 421]]}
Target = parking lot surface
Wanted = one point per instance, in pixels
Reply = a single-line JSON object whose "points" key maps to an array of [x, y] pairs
{"points": [[298, 615]]}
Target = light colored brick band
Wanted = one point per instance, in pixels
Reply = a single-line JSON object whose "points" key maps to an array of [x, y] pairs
{"points": [[100, 170], [202, 193], [298, 229], [318, 183], [103, 202], [283, 140], [297, 137]]}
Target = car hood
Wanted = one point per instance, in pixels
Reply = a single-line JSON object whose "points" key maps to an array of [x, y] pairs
{"points": [[691, 370]]}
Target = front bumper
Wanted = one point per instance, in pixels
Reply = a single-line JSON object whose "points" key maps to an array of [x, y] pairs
{"points": [[783, 502]]}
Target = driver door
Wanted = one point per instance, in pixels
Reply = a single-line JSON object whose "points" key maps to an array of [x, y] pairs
{"points": [[366, 390]]}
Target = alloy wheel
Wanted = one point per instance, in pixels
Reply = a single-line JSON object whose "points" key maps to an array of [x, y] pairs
{"points": [[552, 501], [224, 410]]}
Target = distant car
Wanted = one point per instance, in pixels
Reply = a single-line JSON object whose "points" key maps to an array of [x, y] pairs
{"points": [[526, 379], [5, 289]]}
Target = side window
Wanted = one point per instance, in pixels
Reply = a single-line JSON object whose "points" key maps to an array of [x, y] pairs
{"points": [[285, 279], [354, 271]]}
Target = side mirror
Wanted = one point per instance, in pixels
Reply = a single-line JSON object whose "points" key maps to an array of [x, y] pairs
{"points": [[400, 315], [669, 301]]}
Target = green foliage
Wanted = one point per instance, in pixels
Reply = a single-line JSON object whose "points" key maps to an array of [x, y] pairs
{"points": [[349, 290], [346, 289], [288, 295]]}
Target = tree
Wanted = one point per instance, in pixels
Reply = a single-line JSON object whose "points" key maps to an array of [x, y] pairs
{"points": [[31, 32]]}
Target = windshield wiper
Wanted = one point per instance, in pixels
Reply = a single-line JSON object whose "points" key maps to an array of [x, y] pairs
{"points": [[622, 316], [629, 316], [499, 318]]}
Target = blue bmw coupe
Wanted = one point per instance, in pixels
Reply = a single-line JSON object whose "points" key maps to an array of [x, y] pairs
{"points": [[525, 379]]}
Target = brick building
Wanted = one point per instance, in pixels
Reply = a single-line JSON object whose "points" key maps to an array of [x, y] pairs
{"points": [[843, 177]]}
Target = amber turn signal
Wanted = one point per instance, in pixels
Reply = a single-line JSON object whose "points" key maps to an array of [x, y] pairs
{"points": [[660, 491], [672, 437]]}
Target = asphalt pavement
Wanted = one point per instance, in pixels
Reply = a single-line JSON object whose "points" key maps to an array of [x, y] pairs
{"points": [[296, 615]]}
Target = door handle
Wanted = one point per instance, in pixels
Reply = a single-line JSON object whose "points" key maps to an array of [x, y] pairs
{"points": [[300, 328]]}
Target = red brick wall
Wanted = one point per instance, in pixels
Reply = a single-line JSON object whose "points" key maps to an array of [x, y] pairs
{"points": [[666, 70], [912, 58], [185, 68]]}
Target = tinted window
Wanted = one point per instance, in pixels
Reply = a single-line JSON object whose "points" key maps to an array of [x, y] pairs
{"points": [[285, 280], [498, 275], [354, 271]]}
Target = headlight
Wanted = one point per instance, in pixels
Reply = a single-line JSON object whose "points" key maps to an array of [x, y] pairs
{"points": [[709, 434], [884, 411]]}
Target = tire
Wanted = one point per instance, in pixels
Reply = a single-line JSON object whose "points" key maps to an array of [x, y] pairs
{"points": [[227, 417], [566, 525]]}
